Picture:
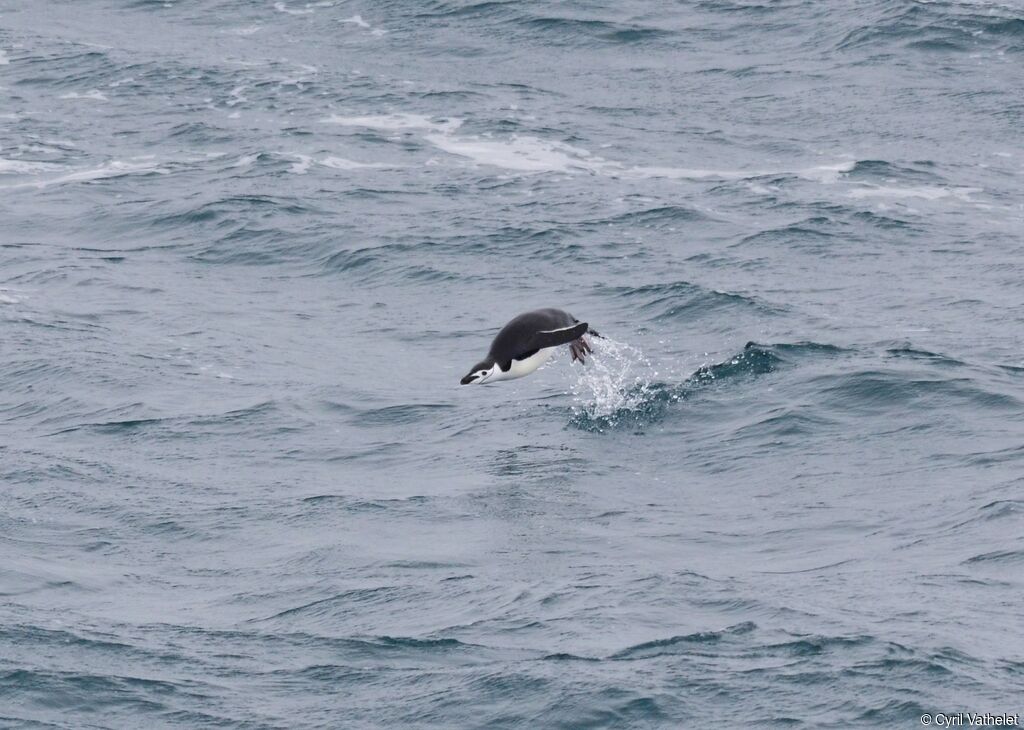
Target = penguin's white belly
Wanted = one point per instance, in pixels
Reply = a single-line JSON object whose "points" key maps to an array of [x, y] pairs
{"points": [[525, 367]]}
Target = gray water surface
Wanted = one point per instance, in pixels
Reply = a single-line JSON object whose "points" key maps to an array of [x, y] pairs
{"points": [[247, 250]]}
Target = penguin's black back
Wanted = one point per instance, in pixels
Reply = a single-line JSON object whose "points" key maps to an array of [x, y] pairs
{"points": [[518, 337]]}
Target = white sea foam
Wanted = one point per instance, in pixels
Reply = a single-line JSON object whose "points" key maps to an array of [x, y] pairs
{"points": [[237, 97], [395, 122], [4, 60], [110, 170], [356, 20], [682, 173], [340, 163], [282, 8], [523, 153], [827, 173], [245, 161], [520, 153], [301, 165], [25, 166], [530, 154], [93, 94]]}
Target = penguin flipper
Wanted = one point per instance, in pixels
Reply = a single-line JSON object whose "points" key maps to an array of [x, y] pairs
{"points": [[554, 338]]}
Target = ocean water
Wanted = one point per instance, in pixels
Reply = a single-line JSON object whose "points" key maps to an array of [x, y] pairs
{"points": [[248, 249]]}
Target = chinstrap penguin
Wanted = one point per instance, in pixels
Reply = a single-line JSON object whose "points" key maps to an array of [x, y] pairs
{"points": [[526, 343]]}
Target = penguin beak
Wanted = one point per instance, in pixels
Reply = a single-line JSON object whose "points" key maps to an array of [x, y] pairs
{"points": [[468, 380]]}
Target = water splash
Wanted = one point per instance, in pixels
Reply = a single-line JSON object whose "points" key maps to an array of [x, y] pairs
{"points": [[619, 389], [618, 381]]}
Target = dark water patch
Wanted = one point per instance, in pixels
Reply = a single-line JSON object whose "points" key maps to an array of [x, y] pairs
{"points": [[911, 353], [381, 650], [401, 414], [1015, 370], [885, 222], [682, 299], [999, 557], [61, 71], [877, 171], [475, 10], [405, 642], [787, 423], [614, 707], [893, 713], [38, 638], [681, 644], [327, 499], [356, 599], [114, 427], [658, 217], [239, 415], [894, 666], [535, 463], [800, 236], [233, 211], [24, 374], [421, 565], [939, 28], [352, 260], [754, 360], [93, 693], [885, 390], [176, 426], [385, 263], [171, 530], [741, 7], [564, 657], [908, 666], [1008, 28], [355, 504], [1001, 509], [333, 406], [454, 259], [815, 645], [200, 133], [570, 31]]}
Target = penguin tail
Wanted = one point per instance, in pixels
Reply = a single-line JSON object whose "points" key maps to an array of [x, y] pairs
{"points": [[580, 349]]}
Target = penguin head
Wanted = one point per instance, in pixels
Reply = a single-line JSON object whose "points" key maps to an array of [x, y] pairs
{"points": [[481, 372]]}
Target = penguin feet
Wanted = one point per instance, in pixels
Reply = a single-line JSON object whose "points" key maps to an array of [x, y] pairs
{"points": [[580, 348]]}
